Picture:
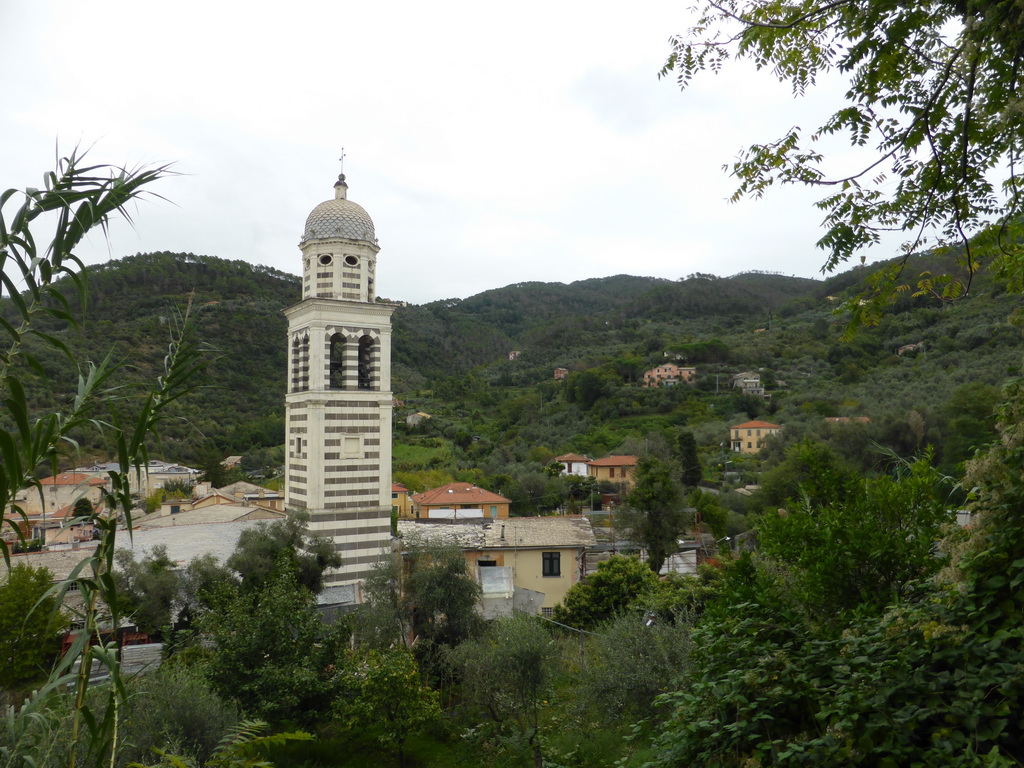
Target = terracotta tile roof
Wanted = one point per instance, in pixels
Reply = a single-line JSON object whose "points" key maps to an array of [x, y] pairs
{"points": [[615, 461], [398, 488], [572, 457], [73, 478], [458, 493], [757, 425]]}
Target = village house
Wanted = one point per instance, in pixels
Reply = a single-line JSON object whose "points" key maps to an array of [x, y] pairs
{"points": [[561, 373], [613, 469], [542, 557], [668, 375], [60, 491], [749, 436], [400, 503], [574, 464], [749, 383], [456, 501]]}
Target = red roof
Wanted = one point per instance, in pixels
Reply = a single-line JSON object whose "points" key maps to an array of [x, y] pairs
{"points": [[398, 488], [458, 493], [73, 478], [757, 425], [615, 461]]}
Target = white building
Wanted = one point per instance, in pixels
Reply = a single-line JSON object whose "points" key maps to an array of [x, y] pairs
{"points": [[338, 406]]}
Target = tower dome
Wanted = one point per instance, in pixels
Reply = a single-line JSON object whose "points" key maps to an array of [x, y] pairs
{"points": [[339, 218]]}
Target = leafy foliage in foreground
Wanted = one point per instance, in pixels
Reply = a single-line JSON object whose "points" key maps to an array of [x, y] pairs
{"points": [[927, 89], [930, 677]]}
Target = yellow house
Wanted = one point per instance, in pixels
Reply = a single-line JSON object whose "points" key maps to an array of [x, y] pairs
{"points": [[613, 469], [400, 500], [544, 555], [749, 437], [459, 501], [60, 491]]}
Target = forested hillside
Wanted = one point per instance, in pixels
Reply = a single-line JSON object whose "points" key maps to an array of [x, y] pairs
{"points": [[496, 419]]}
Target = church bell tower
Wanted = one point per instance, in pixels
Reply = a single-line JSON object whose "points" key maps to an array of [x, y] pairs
{"points": [[338, 406]]}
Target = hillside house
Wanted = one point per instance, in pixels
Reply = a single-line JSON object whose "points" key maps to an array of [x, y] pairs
{"points": [[574, 464], [668, 375], [749, 437], [415, 419], [60, 491], [459, 501], [561, 373], [749, 383], [544, 556], [613, 469], [400, 503]]}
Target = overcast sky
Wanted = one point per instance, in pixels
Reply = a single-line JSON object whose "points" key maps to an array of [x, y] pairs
{"points": [[490, 143]]}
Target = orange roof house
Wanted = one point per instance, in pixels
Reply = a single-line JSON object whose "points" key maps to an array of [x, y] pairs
{"points": [[613, 469], [60, 491], [459, 500], [400, 500], [749, 436]]}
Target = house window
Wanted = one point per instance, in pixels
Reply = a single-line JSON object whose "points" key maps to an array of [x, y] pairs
{"points": [[552, 564], [494, 511], [487, 563], [547, 613]]}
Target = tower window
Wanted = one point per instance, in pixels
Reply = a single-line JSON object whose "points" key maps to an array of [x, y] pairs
{"points": [[326, 260], [337, 369], [366, 362], [351, 261]]}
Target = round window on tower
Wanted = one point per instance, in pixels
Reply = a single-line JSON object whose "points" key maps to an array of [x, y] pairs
{"points": [[307, 263], [351, 261], [325, 260]]}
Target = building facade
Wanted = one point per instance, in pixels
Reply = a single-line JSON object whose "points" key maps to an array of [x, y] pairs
{"points": [[459, 501], [749, 436], [338, 408]]}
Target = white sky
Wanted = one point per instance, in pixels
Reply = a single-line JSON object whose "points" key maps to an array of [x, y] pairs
{"points": [[490, 143]]}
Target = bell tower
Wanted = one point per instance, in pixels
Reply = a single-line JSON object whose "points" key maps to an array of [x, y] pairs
{"points": [[338, 406]]}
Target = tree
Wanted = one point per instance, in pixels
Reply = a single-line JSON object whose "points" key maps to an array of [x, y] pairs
{"points": [[861, 551], [261, 549], [689, 462], [211, 466], [149, 589], [424, 598], [654, 515], [29, 625], [506, 673], [384, 693], [273, 655], [928, 86], [617, 584], [810, 470], [630, 662]]}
